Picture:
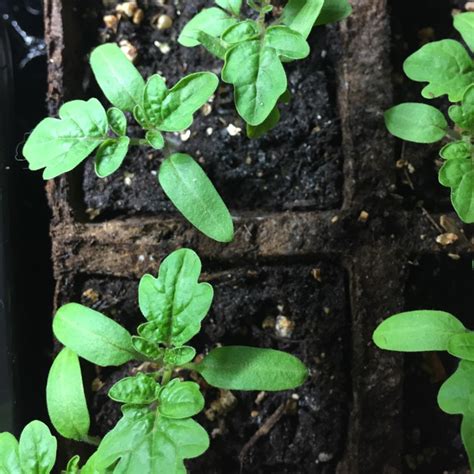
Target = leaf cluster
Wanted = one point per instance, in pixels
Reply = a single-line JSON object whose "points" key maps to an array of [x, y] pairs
{"points": [[448, 68], [424, 330], [254, 51]]}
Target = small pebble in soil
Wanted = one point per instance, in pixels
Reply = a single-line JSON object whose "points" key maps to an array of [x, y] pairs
{"points": [[447, 238], [363, 216], [185, 135], [469, 6], [138, 16], [128, 49], [268, 323], [284, 327], [111, 22], [232, 130], [91, 295], [334, 219], [454, 256], [316, 274], [163, 47], [128, 178], [206, 109], [325, 457], [162, 22], [209, 131], [128, 8], [254, 413]]}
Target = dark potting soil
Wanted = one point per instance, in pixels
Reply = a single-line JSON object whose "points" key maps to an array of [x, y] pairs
{"points": [[249, 302], [296, 166]]}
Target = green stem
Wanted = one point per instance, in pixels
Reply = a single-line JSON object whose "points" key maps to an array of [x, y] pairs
{"points": [[261, 16], [93, 440], [167, 373], [137, 141], [453, 135]]}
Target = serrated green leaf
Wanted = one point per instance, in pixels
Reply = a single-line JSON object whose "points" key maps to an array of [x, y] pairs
{"points": [[191, 191], [464, 23], [456, 150], [445, 65], [37, 449], [301, 15], [73, 465], [93, 336], [467, 435], [419, 123], [175, 302], [59, 145], [213, 21], [147, 348], [214, 45], [110, 156], [180, 399], [416, 331], [453, 171], [462, 346], [333, 11], [155, 139], [250, 368], [179, 355], [66, 401], [462, 196], [463, 115], [153, 96], [145, 441], [118, 78], [232, 6], [241, 31], [9, 454], [288, 43], [142, 389], [117, 121], [454, 394], [270, 122]]}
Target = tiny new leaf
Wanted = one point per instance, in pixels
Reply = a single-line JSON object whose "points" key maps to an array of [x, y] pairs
{"points": [[301, 15], [180, 399], [141, 389], [117, 121], [110, 156], [37, 449]]}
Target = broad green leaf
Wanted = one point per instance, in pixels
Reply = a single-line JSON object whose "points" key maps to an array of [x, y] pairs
{"points": [[110, 156], [118, 78], [142, 389], [179, 355], [462, 196], [464, 23], [9, 454], [463, 115], [59, 145], [153, 96], [241, 31], [175, 302], [255, 70], [453, 171], [467, 435], [419, 123], [144, 441], [155, 139], [213, 21], [73, 465], [250, 368], [301, 15], [149, 349], [214, 45], [37, 449], [462, 346], [270, 122], [416, 331], [117, 121], [232, 6], [288, 43], [191, 191], [93, 336], [333, 11], [456, 150], [454, 394], [180, 399], [67, 406], [445, 65]]}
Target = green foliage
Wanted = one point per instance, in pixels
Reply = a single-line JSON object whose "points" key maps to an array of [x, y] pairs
{"points": [[449, 69], [428, 330], [253, 51], [60, 145]]}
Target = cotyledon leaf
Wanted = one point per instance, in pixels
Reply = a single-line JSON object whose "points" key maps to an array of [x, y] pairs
{"points": [[37, 449]]}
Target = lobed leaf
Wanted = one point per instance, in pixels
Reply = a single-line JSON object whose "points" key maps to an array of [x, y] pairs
{"points": [[462, 196], [269, 123], [464, 23], [455, 393], [93, 336], [142, 389], [59, 145], [180, 399], [445, 65], [110, 156], [301, 15], [37, 449], [463, 115], [66, 401], [9, 454], [191, 191], [179, 355], [149, 349], [333, 11], [118, 78], [419, 123], [456, 150], [416, 331], [250, 368]]}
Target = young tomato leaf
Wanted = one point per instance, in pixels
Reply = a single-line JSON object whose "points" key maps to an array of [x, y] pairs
{"points": [[463, 115], [215, 46], [213, 21], [179, 355], [288, 43], [37, 449], [59, 145], [117, 121], [73, 465], [145, 441], [462, 346], [301, 15], [416, 331], [93, 336], [118, 78], [180, 399], [149, 349], [175, 302], [464, 23], [467, 435], [139, 390], [445, 65], [9, 454], [250, 368], [66, 401], [155, 139], [455, 393], [270, 122], [191, 191], [110, 156], [419, 123], [462, 196], [333, 11], [232, 6], [153, 96], [241, 31]]}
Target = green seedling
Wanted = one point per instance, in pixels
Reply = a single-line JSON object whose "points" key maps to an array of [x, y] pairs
{"points": [[417, 331], [156, 432], [254, 51], [60, 144], [448, 68]]}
